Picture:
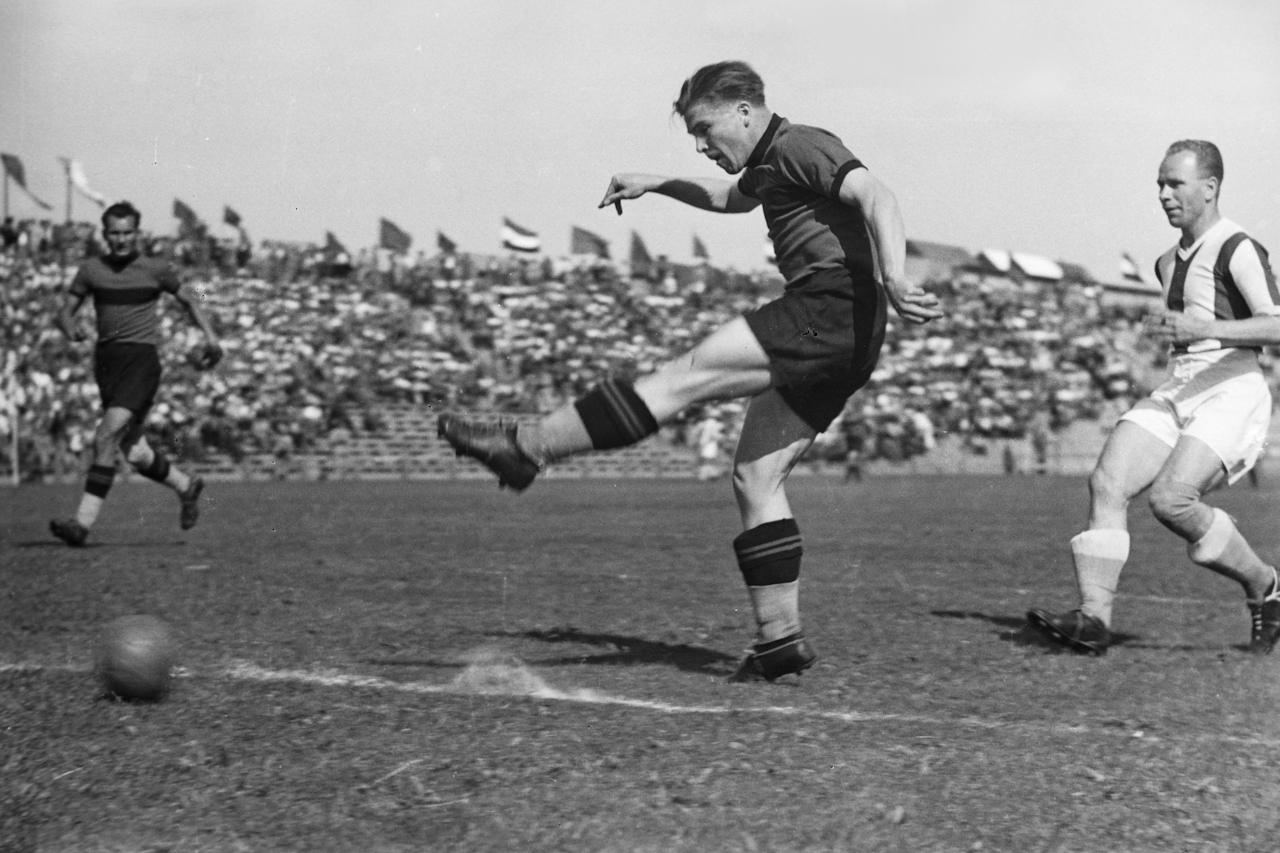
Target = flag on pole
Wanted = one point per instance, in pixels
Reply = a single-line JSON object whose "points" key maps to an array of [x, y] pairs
{"points": [[332, 246], [584, 242], [391, 236], [230, 217], [187, 217], [1129, 269], [75, 174], [699, 250], [641, 261], [444, 244], [519, 239], [13, 168]]}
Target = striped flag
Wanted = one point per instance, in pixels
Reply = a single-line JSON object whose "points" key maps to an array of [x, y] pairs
{"points": [[519, 239], [75, 174], [700, 250], [1129, 268], [391, 236], [13, 169], [584, 242]]}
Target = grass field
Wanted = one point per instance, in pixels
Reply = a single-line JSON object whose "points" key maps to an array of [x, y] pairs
{"points": [[443, 666]]}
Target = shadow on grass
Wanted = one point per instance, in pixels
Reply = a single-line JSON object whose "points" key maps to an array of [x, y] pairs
{"points": [[1016, 630], [53, 543], [621, 650]]}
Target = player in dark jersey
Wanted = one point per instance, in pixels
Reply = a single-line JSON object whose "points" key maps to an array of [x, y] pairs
{"points": [[838, 237], [126, 288]]}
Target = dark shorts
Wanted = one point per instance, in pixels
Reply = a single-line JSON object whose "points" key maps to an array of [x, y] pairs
{"points": [[823, 337], [128, 376]]}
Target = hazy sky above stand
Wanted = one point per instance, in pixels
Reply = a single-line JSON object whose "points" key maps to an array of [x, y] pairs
{"points": [[1017, 124]]}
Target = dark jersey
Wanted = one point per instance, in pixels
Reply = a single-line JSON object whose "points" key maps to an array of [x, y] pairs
{"points": [[796, 172], [125, 296]]}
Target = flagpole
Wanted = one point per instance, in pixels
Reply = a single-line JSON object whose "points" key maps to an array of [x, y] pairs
{"points": [[6, 193], [68, 195]]}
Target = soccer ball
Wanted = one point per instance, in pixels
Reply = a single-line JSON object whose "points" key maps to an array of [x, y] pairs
{"points": [[136, 658]]}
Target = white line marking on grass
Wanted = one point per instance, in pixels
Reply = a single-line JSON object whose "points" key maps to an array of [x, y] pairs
{"points": [[509, 677]]}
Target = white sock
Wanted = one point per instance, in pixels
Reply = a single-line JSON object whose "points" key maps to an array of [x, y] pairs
{"points": [[1222, 549], [1099, 557], [87, 514]]}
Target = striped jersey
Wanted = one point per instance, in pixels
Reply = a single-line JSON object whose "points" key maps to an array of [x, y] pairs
{"points": [[1224, 275], [125, 296]]}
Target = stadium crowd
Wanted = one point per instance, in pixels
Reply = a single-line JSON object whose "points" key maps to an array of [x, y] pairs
{"points": [[316, 342]]}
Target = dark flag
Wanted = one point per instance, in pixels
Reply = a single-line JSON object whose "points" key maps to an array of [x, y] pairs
{"points": [[444, 244], [390, 236], [583, 242], [186, 216], [230, 217], [699, 250], [519, 239], [13, 169], [641, 262], [332, 246]]}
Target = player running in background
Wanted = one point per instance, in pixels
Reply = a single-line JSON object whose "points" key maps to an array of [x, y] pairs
{"points": [[126, 365], [1204, 427], [838, 235]]}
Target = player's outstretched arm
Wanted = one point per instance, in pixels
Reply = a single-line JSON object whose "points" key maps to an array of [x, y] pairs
{"points": [[879, 207], [1179, 329], [719, 196]]}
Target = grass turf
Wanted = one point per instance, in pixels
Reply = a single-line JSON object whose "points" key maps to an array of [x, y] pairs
{"points": [[440, 665]]}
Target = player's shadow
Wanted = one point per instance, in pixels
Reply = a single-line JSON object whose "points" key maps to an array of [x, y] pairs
{"points": [[621, 650], [49, 543], [1016, 630]]}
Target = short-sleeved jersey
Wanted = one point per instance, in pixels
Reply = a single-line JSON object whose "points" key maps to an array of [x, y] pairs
{"points": [[125, 297], [1224, 275], [796, 172]]}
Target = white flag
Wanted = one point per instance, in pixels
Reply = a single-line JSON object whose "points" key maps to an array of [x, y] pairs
{"points": [[75, 173]]}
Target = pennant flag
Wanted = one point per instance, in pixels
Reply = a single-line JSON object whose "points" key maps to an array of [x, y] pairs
{"points": [[444, 244], [189, 222], [519, 239], [699, 250], [390, 236], [230, 217], [1129, 268], [583, 242], [13, 168], [639, 253], [75, 174], [332, 245]]}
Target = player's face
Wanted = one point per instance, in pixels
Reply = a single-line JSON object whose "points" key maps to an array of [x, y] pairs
{"points": [[1184, 192], [121, 234], [719, 131]]}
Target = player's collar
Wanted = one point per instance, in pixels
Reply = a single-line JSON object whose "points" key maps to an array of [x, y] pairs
{"points": [[757, 153]]}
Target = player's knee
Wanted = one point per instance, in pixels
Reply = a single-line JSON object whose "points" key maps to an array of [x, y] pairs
{"points": [[1177, 506]]}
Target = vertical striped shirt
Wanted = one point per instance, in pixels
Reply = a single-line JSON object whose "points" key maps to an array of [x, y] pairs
{"points": [[1224, 275]]}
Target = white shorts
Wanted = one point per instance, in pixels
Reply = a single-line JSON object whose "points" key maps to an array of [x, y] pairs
{"points": [[1231, 414]]}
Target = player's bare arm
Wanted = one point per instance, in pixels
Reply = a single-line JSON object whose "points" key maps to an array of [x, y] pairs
{"points": [[714, 194], [213, 349], [1177, 328], [879, 207], [65, 318]]}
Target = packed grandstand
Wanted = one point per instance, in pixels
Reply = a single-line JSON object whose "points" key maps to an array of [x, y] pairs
{"points": [[323, 349]]}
